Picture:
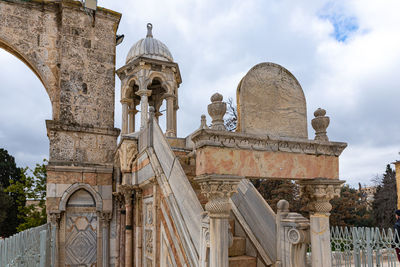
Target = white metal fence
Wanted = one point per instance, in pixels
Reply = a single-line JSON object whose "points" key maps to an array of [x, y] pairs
{"points": [[364, 247], [30, 248]]}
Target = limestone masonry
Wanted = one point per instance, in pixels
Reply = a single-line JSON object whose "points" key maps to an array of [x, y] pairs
{"points": [[156, 199]]}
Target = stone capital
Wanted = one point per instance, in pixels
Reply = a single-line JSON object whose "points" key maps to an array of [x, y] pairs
{"points": [[218, 190], [143, 92], [125, 101], [105, 217], [54, 217], [169, 96], [119, 199], [319, 192], [127, 191]]}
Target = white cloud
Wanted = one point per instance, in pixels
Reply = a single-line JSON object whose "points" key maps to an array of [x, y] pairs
{"points": [[217, 42]]}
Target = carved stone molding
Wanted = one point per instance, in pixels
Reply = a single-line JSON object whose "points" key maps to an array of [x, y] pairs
{"points": [[209, 137], [119, 199], [218, 190], [318, 192], [127, 151]]}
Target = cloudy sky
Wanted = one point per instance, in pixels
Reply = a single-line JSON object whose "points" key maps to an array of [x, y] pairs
{"points": [[345, 54]]}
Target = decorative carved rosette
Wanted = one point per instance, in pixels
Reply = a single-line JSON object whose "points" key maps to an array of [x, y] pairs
{"points": [[218, 190], [319, 192], [127, 152]]}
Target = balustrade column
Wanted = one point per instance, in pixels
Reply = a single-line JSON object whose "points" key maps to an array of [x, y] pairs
{"points": [[319, 192], [144, 105], [125, 105], [170, 132], [218, 190]]}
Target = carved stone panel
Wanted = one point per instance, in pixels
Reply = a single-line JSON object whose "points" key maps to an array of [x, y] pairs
{"points": [[81, 239], [148, 232], [271, 101]]}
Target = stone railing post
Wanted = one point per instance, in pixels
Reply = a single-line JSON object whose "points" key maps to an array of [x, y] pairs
{"points": [[319, 192], [218, 190], [293, 237], [170, 132]]}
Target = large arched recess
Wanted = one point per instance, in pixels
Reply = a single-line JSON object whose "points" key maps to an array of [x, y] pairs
{"points": [[24, 107], [46, 84]]}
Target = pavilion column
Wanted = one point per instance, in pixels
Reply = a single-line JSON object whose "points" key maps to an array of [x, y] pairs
{"points": [[127, 190], [144, 106], [319, 192], [132, 113], [125, 105], [170, 132], [175, 111], [218, 190], [105, 218]]}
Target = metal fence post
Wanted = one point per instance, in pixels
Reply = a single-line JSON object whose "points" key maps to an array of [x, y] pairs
{"points": [[43, 248], [369, 247], [356, 247]]}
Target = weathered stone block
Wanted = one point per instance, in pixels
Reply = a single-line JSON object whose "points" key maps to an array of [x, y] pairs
{"points": [[271, 101]]}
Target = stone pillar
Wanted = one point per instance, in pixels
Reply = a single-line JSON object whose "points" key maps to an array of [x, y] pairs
{"points": [[127, 190], [54, 218], [132, 113], [170, 132], [125, 105], [138, 227], [105, 218], [175, 111], [144, 104], [218, 190], [319, 192], [119, 201]]}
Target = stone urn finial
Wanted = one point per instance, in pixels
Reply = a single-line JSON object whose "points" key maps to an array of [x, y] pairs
{"points": [[320, 123], [217, 110]]}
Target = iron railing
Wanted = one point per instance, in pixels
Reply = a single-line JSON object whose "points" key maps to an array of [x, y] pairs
{"points": [[364, 247]]}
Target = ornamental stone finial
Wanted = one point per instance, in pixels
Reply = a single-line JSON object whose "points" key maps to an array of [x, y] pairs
{"points": [[203, 122], [217, 110], [149, 30], [320, 123]]}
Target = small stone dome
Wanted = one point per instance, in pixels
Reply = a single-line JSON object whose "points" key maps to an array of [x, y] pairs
{"points": [[149, 47]]}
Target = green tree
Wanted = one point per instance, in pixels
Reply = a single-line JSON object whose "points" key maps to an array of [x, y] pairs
{"points": [[8, 206], [33, 187], [350, 209], [385, 199]]}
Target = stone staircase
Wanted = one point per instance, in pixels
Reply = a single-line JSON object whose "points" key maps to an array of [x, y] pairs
{"points": [[237, 252]]}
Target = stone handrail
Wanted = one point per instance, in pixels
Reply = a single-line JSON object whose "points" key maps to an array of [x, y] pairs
{"points": [[28, 248], [183, 203]]}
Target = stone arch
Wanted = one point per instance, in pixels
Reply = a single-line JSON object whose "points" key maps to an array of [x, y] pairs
{"points": [[74, 188]]}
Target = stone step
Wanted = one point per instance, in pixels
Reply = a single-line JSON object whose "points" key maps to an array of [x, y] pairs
{"points": [[238, 247], [242, 261]]}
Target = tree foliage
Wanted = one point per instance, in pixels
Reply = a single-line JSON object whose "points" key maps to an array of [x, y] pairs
{"points": [[33, 187], [385, 199], [8, 207], [232, 118], [351, 208]]}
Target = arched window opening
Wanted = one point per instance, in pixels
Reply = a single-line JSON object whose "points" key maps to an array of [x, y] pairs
{"points": [[81, 198]]}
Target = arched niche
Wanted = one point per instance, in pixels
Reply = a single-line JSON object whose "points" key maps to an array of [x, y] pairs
{"points": [[80, 186]]}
